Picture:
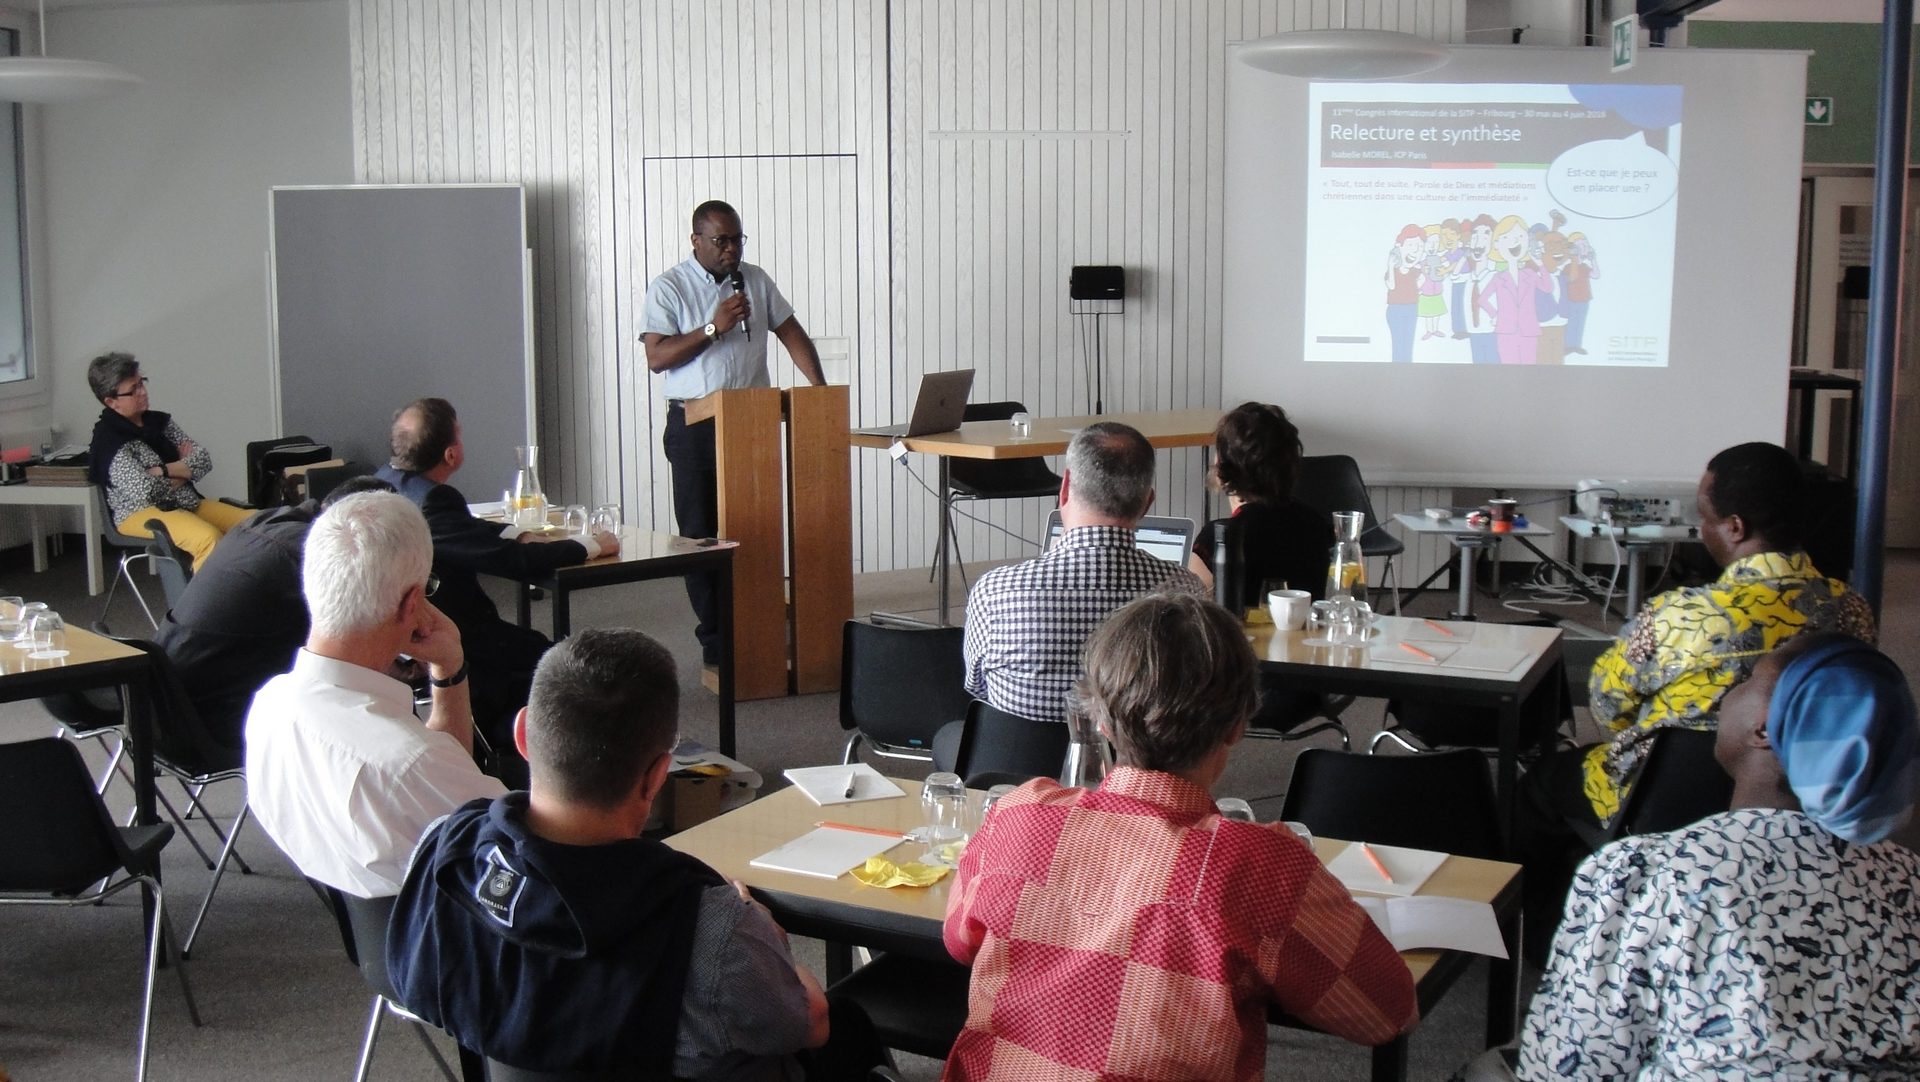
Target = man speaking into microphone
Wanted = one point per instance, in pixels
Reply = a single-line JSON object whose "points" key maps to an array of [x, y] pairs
{"points": [[705, 327]]}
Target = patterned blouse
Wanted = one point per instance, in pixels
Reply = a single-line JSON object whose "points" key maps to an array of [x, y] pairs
{"points": [[1027, 623], [1687, 647], [1129, 932], [130, 487], [1752, 944]]}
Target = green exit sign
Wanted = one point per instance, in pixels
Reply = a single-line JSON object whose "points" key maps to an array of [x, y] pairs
{"points": [[1625, 37], [1820, 112]]}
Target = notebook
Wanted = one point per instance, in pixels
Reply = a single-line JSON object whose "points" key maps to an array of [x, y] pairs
{"points": [[1410, 868], [1458, 924], [940, 407], [825, 853], [828, 784], [1170, 539]]}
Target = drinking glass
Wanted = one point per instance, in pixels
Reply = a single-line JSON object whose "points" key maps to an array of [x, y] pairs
{"points": [[1300, 831], [10, 624], [993, 797], [573, 521], [606, 518], [1232, 807], [944, 799], [23, 635], [49, 636]]}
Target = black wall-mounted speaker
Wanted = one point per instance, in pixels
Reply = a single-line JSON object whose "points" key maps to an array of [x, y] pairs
{"points": [[1097, 283]]}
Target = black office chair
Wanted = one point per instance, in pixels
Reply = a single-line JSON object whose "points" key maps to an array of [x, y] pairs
{"points": [[61, 847], [1443, 801], [898, 686], [132, 550], [92, 714], [997, 747], [993, 479], [1678, 784], [174, 566], [1330, 483], [186, 749], [364, 935]]}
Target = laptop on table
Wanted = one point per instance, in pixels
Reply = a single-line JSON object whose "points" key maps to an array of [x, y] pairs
{"points": [[1169, 538], [941, 407]]}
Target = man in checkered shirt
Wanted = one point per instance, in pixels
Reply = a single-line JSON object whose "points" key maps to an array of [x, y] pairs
{"points": [[1027, 622], [1131, 932]]}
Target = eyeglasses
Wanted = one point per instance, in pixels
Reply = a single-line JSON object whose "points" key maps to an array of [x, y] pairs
{"points": [[433, 584], [726, 240], [138, 386]]}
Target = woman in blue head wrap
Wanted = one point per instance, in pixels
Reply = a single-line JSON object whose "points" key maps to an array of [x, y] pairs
{"points": [[1779, 939]]}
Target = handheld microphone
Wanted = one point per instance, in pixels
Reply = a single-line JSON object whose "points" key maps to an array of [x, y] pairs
{"points": [[740, 286]]}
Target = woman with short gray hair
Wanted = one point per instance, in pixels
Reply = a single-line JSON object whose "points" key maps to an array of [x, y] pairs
{"points": [[148, 465]]}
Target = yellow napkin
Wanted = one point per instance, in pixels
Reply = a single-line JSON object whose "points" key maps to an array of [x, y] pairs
{"points": [[881, 872]]}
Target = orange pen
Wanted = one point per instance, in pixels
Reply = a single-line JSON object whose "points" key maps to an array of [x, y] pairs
{"points": [[1374, 859], [1441, 628], [882, 832], [1417, 652]]}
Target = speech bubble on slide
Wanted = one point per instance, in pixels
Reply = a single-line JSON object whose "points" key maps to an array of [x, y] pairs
{"points": [[1613, 178]]}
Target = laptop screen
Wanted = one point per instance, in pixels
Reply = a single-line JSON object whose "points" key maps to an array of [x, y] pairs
{"points": [[1169, 539]]}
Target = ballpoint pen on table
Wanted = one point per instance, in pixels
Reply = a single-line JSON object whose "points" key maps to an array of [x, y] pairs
{"points": [[853, 776]]}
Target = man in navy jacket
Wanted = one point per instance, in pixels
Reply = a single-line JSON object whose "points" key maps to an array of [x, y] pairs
{"points": [[427, 452]]}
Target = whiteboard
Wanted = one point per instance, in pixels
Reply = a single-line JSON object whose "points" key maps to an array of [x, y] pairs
{"points": [[382, 294], [1718, 376]]}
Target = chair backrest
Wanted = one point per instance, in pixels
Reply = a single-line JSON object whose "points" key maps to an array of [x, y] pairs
{"points": [[1679, 784], [58, 836], [175, 567], [996, 742], [1009, 478], [367, 922], [1441, 801], [180, 734], [899, 685], [109, 528], [1329, 483]]}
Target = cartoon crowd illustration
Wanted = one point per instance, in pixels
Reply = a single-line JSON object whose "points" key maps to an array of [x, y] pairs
{"points": [[1516, 292]]}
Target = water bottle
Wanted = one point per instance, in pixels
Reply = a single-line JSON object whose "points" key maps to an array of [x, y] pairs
{"points": [[1226, 571]]}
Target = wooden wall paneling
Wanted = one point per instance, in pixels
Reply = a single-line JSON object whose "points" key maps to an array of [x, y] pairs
{"points": [[820, 525], [747, 445]]}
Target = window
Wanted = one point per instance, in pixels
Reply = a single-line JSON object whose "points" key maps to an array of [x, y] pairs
{"points": [[16, 355]]}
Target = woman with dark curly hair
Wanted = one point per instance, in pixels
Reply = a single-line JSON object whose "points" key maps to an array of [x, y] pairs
{"points": [[1256, 455], [147, 464]]}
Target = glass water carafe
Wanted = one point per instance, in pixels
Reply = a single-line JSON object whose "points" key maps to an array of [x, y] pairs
{"points": [[529, 500], [1346, 564], [1088, 759]]}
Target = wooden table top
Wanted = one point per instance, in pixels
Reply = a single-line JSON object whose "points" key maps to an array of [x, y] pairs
{"points": [[729, 842], [1276, 647], [1050, 435], [84, 649]]}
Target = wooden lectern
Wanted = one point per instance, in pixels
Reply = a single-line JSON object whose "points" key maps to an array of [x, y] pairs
{"points": [[793, 517]]}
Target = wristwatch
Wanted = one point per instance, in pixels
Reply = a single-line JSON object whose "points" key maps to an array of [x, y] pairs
{"points": [[458, 678], [712, 332]]}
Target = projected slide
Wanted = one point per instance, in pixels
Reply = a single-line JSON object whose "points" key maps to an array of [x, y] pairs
{"points": [[1491, 224]]}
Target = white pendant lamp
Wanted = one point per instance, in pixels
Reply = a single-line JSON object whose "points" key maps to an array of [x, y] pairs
{"points": [[1345, 54], [44, 80]]}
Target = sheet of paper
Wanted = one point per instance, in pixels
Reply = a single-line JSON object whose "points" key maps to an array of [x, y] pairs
{"points": [[825, 853], [1431, 655], [828, 784], [1408, 867], [1437, 923], [1456, 633], [1485, 659]]}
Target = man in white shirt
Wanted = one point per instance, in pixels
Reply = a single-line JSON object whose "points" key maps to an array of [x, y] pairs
{"points": [[340, 772], [705, 327]]}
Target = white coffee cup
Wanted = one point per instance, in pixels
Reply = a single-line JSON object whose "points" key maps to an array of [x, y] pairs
{"points": [[1289, 608]]}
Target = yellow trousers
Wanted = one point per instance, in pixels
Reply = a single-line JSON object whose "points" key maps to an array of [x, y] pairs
{"points": [[195, 531]]}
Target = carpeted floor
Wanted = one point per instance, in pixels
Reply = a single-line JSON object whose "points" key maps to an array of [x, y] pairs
{"points": [[280, 1001]]}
